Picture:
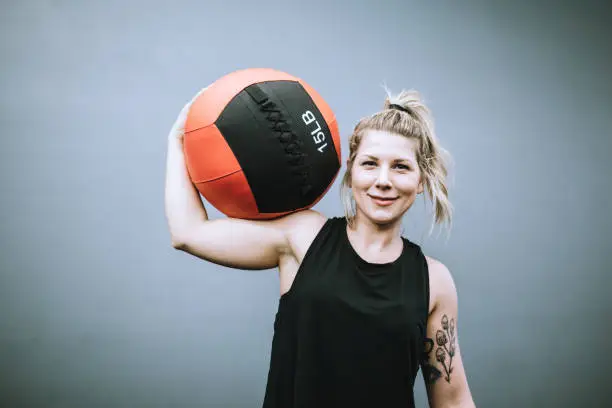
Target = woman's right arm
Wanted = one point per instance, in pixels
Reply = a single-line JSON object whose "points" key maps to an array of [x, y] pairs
{"points": [[244, 244]]}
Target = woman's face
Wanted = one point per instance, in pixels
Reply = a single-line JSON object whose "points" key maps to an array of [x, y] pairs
{"points": [[385, 176]]}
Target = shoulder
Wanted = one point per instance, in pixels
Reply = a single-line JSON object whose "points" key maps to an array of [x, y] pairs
{"points": [[441, 283], [437, 269], [301, 228], [304, 220]]}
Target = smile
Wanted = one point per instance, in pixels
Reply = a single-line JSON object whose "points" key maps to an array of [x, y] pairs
{"points": [[383, 201]]}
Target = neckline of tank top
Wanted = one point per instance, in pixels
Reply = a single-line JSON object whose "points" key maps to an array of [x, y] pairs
{"points": [[362, 262]]}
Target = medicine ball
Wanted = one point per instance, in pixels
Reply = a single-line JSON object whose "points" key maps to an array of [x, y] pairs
{"points": [[260, 143]]}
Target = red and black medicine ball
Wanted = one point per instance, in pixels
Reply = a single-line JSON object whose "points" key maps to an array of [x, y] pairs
{"points": [[260, 143]]}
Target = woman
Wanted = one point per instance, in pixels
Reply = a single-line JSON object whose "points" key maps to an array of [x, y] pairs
{"points": [[361, 307]]}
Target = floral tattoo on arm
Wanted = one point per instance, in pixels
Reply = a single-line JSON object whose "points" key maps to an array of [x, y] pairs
{"points": [[446, 342]]}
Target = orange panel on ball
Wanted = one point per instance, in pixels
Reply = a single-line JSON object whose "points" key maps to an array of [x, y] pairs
{"points": [[208, 106], [333, 128], [230, 194], [208, 155]]}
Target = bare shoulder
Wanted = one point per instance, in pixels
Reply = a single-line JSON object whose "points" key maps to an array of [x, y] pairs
{"points": [[304, 219], [437, 270], [441, 283], [301, 229]]}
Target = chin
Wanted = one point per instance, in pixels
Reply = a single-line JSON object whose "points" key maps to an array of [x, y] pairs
{"points": [[382, 217]]}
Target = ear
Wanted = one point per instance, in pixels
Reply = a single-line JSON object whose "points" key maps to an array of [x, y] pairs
{"points": [[420, 187]]}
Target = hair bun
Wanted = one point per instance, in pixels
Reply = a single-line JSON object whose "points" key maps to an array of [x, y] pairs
{"points": [[399, 107]]}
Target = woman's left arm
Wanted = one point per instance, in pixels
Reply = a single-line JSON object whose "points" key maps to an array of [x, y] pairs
{"points": [[443, 371]]}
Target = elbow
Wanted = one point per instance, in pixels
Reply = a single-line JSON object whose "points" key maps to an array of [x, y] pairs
{"points": [[183, 238], [177, 243]]}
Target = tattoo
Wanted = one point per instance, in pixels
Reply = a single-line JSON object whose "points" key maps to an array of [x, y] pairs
{"points": [[430, 372], [447, 343]]}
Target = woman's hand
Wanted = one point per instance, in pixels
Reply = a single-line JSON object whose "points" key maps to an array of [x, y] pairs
{"points": [[177, 132]]}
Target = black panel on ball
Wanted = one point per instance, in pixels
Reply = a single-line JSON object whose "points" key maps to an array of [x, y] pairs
{"points": [[282, 143]]}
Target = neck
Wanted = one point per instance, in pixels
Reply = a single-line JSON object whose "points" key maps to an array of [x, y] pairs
{"points": [[372, 236]]}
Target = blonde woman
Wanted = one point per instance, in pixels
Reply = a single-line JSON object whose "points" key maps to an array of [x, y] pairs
{"points": [[361, 308]]}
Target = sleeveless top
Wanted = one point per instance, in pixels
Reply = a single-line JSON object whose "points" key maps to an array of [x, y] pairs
{"points": [[349, 333]]}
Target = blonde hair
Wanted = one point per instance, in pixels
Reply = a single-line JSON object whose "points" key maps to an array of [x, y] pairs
{"points": [[410, 118]]}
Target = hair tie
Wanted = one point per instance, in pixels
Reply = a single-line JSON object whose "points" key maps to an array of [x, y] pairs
{"points": [[399, 107]]}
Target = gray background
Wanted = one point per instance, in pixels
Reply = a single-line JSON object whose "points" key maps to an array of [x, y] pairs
{"points": [[97, 309]]}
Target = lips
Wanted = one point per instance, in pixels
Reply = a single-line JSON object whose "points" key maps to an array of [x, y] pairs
{"points": [[383, 201], [383, 198]]}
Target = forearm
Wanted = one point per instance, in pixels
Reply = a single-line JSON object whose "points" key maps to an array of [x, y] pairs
{"points": [[184, 208]]}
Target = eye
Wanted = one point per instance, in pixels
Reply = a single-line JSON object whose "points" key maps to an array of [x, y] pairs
{"points": [[402, 166], [368, 163]]}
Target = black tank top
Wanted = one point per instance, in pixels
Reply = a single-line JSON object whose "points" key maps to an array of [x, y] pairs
{"points": [[349, 333]]}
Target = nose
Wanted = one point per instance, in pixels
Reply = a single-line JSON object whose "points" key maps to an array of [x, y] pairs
{"points": [[382, 181]]}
